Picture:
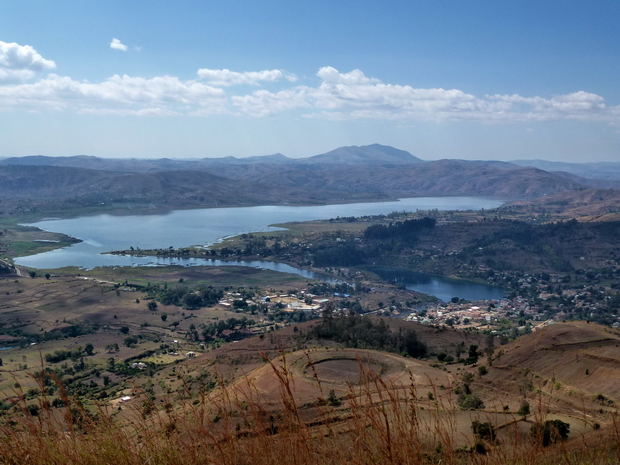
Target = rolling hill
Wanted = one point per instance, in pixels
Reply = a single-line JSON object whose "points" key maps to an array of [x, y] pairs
{"points": [[347, 174]]}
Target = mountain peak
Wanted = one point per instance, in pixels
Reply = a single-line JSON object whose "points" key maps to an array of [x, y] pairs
{"points": [[375, 154]]}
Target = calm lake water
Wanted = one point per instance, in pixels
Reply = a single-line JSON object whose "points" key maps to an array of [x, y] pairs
{"points": [[441, 287], [182, 228]]}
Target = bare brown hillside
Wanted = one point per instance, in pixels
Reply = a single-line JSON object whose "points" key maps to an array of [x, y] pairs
{"points": [[257, 184], [586, 205], [576, 365]]}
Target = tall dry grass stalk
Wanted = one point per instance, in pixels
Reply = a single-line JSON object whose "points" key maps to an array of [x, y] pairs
{"points": [[377, 423]]}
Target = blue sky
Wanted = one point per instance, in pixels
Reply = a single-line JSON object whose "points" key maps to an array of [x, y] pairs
{"points": [[189, 79]]}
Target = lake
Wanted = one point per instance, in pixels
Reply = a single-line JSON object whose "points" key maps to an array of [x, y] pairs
{"points": [[440, 286], [183, 228]]}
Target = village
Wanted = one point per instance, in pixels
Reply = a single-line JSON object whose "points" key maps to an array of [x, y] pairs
{"points": [[535, 301]]}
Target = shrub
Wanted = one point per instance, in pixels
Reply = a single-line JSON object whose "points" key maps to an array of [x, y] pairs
{"points": [[470, 402], [550, 432], [483, 430]]}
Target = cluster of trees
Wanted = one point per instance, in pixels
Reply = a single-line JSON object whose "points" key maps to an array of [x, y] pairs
{"points": [[280, 316], [550, 432], [546, 240], [338, 254], [359, 332], [404, 231], [75, 354], [72, 330], [337, 288], [182, 296], [216, 330]]}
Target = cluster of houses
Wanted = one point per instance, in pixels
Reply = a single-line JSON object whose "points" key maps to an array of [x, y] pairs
{"points": [[307, 303], [483, 314]]}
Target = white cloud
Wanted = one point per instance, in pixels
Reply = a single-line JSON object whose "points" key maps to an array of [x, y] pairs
{"points": [[336, 95], [225, 77], [264, 103], [126, 112], [118, 45], [118, 94], [333, 76], [20, 62], [354, 96]]}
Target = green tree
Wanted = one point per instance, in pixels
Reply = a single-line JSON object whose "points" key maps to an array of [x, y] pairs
{"points": [[490, 348], [164, 316], [191, 301], [472, 355], [192, 334], [152, 305], [124, 329], [130, 341], [470, 402], [89, 348], [112, 347], [332, 399], [524, 410]]}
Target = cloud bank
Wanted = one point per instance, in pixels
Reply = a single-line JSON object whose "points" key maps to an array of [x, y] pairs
{"points": [[329, 94]]}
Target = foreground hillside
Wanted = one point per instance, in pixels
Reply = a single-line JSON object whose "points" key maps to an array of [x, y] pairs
{"points": [[329, 404]]}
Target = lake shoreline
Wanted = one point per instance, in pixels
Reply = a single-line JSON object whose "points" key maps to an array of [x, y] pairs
{"points": [[30, 220], [117, 241]]}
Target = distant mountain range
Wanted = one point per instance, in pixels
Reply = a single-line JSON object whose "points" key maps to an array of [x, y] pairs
{"points": [[602, 170], [370, 154], [366, 173]]}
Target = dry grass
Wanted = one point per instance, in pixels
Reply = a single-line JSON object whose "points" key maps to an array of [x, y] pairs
{"points": [[377, 422]]}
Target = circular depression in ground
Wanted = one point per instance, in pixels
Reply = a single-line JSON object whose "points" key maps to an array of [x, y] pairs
{"points": [[343, 370]]}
